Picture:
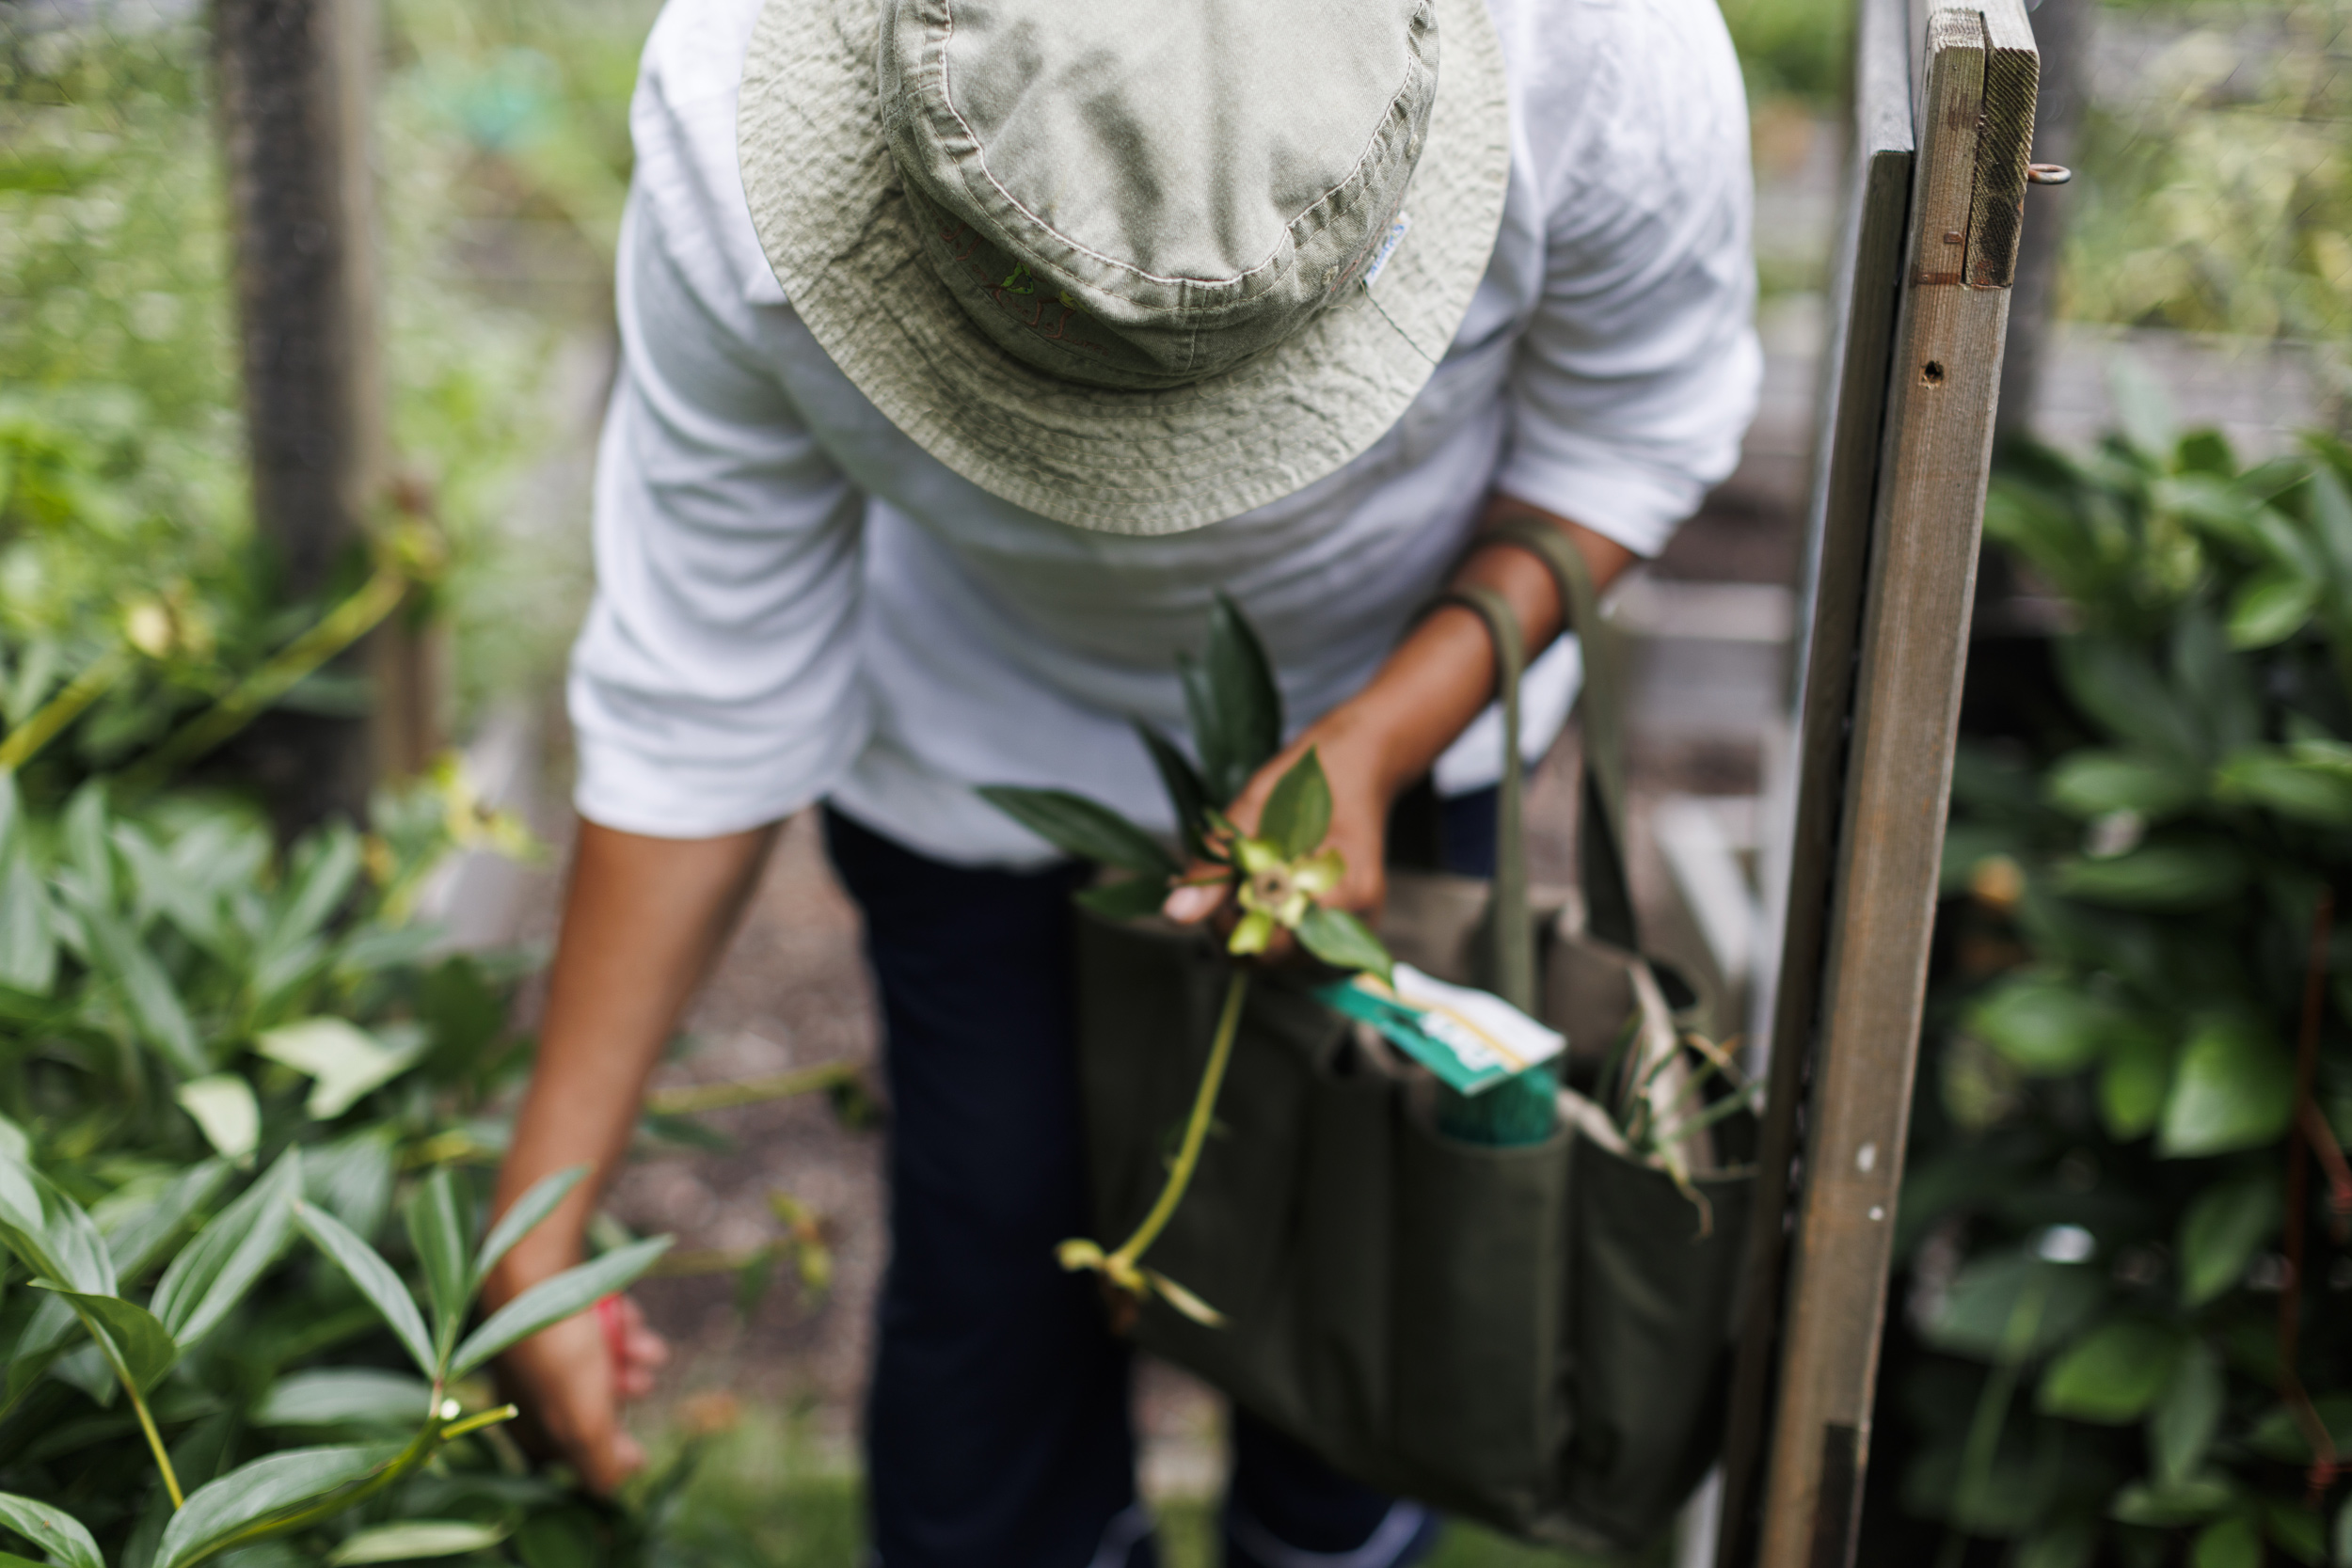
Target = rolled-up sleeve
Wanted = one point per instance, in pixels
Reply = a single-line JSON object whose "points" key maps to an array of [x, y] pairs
{"points": [[1638, 374], [715, 685]]}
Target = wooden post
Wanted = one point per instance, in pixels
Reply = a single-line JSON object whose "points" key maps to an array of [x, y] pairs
{"points": [[2061, 34], [1909, 436], [295, 104]]}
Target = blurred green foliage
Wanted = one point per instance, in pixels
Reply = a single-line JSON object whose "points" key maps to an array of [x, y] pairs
{"points": [[1794, 47], [2216, 195], [2093, 1214]]}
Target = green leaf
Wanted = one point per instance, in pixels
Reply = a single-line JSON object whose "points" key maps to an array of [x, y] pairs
{"points": [[1234, 704], [2306, 789], [325, 867], [2167, 1507], [2270, 606], [412, 1539], [342, 1060], [2133, 1083], [2012, 1308], [157, 1013], [2224, 1227], [2047, 1026], [2117, 685], [2344, 1532], [1129, 898], [2181, 1428], [1187, 794], [375, 1281], [253, 1494], [2157, 877], [526, 1215], [551, 1301], [2232, 1542], [2300, 1533], [1298, 812], [1077, 827], [2280, 1433], [133, 1343], [49, 1232], [137, 1233], [2234, 1089], [440, 1227], [229, 1255], [52, 1529], [2112, 1374], [28, 926], [223, 1106], [344, 1396], [2090, 784], [1343, 942]]}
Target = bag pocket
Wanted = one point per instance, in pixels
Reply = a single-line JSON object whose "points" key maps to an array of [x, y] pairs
{"points": [[1478, 1275], [1655, 1274], [1347, 1185]]}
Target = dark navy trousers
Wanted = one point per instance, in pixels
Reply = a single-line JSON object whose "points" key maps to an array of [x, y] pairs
{"points": [[997, 1429]]}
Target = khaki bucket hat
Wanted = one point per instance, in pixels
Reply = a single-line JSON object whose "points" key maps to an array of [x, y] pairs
{"points": [[1137, 265]]}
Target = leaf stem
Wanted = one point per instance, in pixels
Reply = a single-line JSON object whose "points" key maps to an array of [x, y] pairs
{"points": [[155, 1442], [1196, 1132], [342, 626], [700, 1097], [25, 741]]}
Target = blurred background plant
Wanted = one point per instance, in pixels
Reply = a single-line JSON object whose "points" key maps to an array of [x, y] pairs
{"points": [[2127, 1209]]}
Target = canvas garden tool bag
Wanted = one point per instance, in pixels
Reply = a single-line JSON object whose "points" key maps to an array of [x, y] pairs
{"points": [[1535, 1337]]}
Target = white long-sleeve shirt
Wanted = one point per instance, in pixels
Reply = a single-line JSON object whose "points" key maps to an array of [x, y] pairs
{"points": [[794, 601]]}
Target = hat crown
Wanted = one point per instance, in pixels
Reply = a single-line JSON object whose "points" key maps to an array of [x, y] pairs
{"points": [[1143, 195]]}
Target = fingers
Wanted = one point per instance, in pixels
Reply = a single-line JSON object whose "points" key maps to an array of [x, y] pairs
{"points": [[1189, 906]]}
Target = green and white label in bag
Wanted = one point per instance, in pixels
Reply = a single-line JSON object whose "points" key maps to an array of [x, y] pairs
{"points": [[1471, 1040]]}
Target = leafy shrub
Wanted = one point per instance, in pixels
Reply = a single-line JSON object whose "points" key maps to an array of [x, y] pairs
{"points": [[2128, 1361]]}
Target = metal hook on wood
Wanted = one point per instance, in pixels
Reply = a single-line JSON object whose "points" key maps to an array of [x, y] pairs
{"points": [[2048, 174]]}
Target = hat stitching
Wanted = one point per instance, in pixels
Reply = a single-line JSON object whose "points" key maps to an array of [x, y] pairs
{"points": [[948, 92]]}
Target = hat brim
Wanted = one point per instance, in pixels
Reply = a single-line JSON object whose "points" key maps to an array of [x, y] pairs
{"points": [[826, 200]]}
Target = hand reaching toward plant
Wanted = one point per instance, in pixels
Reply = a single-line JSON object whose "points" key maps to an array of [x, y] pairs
{"points": [[571, 1381]]}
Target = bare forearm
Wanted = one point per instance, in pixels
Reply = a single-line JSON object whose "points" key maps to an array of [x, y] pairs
{"points": [[644, 919], [1442, 675]]}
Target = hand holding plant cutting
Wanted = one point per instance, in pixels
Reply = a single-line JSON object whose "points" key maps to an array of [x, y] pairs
{"points": [[1278, 870]]}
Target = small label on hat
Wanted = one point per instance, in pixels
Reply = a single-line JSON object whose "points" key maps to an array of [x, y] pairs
{"points": [[1389, 243]]}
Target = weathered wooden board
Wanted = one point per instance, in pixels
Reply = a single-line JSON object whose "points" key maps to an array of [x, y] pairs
{"points": [[1911, 422]]}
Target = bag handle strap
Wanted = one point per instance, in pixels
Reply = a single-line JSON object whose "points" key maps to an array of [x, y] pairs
{"points": [[1600, 824], [1510, 927]]}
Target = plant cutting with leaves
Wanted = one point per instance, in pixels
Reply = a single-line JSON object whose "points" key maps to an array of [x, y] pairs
{"points": [[1276, 876], [2128, 1211]]}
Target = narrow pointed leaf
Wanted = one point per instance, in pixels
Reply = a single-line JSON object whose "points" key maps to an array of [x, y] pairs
{"points": [[137, 1236], [1076, 826], [1298, 812], [52, 1529], [320, 885], [229, 1255], [1249, 704], [133, 1342], [1131, 899], [412, 1539], [529, 1211], [440, 1224], [28, 926], [366, 1269], [551, 1301], [148, 999], [343, 1060], [344, 1396], [1343, 942], [1188, 794], [49, 1232], [253, 1494]]}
